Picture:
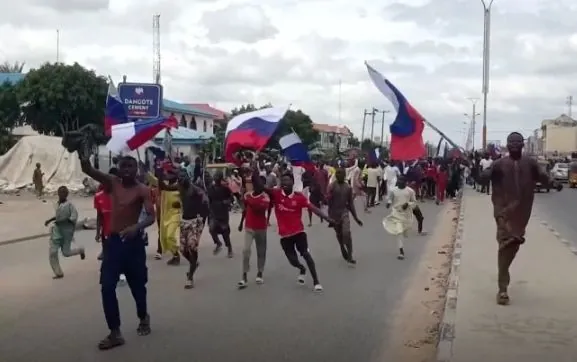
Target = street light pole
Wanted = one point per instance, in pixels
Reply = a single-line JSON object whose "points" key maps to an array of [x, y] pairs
{"points": [[486, 58], [364, 122]]}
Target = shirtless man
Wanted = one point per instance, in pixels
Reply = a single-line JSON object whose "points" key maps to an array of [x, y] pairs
{"points": [[513, 180], [124, 250]]}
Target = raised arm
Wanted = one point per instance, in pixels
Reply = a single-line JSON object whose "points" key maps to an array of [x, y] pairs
{"points": [[99, 176], [538, 174]]}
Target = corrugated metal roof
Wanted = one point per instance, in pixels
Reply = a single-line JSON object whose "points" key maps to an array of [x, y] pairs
{"points": [[205, 107], [173, 106], [11, 78]]}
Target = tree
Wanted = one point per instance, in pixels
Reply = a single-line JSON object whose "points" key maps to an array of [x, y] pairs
{"points": [[16, 67], [368, 145], [354, 142], [59, 97], [10, 115]]}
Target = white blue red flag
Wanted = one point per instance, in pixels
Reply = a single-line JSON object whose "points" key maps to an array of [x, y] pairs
{"points": [[295, 151], [407, 129], [129, 136], [251, 131], [114, 112]]}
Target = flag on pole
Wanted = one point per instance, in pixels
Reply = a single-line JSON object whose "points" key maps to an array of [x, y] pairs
{"points": [[251, 131], [129, 136], [114, 112], [295, 151], [407, 129]]}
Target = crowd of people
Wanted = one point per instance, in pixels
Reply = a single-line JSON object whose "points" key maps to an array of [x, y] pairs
{"points": [[181, 199]]}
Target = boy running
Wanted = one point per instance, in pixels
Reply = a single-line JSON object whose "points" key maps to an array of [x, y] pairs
{"points": [[288, 207], [256, 204]]}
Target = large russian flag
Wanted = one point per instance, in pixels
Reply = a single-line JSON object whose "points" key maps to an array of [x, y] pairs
{"points": [[114, 112], [295, 151], [251, 130], [407, 129], [129, 136]]}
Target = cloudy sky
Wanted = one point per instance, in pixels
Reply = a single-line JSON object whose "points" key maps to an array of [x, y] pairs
{"points": [[230, 52]]}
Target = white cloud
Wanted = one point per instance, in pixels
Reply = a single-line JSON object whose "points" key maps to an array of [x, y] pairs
{"points": [[230, 52]]}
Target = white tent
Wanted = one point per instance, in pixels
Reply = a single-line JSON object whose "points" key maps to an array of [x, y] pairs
{"points": [[59, 166]]}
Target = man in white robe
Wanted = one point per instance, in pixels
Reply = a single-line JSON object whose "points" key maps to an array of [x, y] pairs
{"points": [[392, 174], [401, 200]]}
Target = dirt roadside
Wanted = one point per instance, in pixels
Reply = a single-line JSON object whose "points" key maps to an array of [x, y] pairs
{"points": [[418, 315]]}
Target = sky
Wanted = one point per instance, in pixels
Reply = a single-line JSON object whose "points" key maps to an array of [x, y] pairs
{"points": [[311, 54]]}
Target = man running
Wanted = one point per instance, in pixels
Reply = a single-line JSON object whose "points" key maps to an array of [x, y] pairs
{"points": [[288, 207], [219, 198], [256, 204], [513, 180], [402, 200], [341, 201], [124, 250], [194, 205]]}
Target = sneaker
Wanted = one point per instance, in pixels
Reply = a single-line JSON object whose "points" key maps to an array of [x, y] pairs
{"points": [[301, 279], [401, 257], [352, 263], [158, 256], [242, 284], [82, 255], [122, 280], [230, 254], [259, 280], [175, 260], [188, 284], [318, 288]]}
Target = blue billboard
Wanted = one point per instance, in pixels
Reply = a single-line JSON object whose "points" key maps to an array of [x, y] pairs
{"points": [[141, 100]]}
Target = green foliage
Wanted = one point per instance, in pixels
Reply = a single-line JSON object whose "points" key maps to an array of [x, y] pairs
{"points": [[16, 67], [9, 115], [368, 145], [298, 121], [59, 97], [354, 142]]}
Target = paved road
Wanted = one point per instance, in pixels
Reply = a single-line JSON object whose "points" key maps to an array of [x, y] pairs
{"points": [[560, 210], [46, 320]]}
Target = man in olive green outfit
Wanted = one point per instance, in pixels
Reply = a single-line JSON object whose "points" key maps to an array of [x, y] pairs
{"points": [[62, 232]]}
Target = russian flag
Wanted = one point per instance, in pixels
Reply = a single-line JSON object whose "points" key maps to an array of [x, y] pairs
{"points": [[251, 130], [295, 151], [407, 129], [374, 155], [114, 112], [129, 136]]}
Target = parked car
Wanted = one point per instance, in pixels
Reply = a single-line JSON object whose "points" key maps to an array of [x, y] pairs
{"points": [[560, 172], [551, 184]]}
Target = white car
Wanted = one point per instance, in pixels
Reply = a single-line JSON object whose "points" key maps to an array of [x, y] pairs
{"points": [[560, 172]]}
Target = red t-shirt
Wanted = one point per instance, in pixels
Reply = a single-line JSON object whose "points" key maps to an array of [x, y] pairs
{"points": [[103, 205], [288, 210], [256, 206]]}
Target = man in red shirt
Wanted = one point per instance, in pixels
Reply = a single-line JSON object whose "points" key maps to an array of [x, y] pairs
{"points": [[256, 204], [288, 207]]}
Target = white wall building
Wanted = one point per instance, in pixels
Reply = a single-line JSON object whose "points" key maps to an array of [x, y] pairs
{"points": [[332, 137]]}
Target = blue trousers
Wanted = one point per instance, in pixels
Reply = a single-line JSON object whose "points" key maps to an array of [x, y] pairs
{"points": [[128, 257]]}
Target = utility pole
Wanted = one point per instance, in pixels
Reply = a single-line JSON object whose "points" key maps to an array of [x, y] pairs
{"points": [[472, 117], [373, 122], [156, 72], [570, 106], [366, 113], [382, 125], [340, 100]]}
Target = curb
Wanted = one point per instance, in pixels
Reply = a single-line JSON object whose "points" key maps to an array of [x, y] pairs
{"points": [[447, 325], [80, 226]]}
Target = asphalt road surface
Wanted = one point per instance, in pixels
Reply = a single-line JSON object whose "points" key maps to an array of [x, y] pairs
{"points": [[560, 210], [61, 320]]}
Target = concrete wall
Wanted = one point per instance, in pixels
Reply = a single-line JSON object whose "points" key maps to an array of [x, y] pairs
{"points": [[561, 139]]}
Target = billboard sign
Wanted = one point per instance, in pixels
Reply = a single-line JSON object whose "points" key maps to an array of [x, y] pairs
{"points": [[141, 100]]}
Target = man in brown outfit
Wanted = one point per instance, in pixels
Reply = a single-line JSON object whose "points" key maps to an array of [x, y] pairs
{"points": [[513, 178]]}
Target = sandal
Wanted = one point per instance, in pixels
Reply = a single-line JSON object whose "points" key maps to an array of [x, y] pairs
{"points": [[503, 298], [144, 327], [111, 341]]}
